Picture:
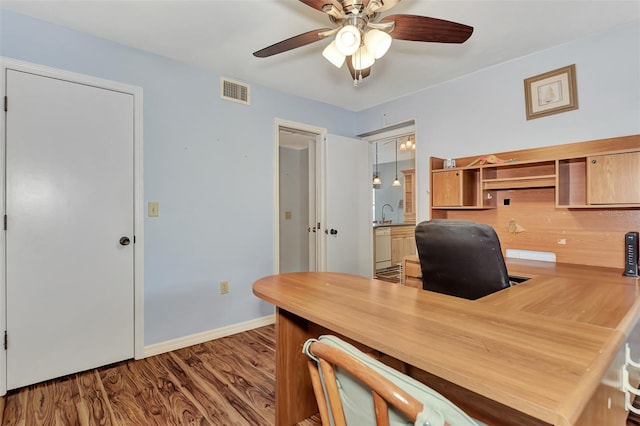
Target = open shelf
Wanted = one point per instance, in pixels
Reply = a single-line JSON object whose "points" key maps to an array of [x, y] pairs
{"points": [[545, 181]]}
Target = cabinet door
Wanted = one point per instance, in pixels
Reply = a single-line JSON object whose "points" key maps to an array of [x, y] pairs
{"points": [[409, 196], [447, 188], [397, 250], [613, 178], [409, 246]]}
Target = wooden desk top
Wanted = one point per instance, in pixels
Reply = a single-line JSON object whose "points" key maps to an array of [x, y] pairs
{"points": [[540, 349]]}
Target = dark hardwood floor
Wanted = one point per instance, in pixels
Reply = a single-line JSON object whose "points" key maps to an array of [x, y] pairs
{"points": [[228, 381]]}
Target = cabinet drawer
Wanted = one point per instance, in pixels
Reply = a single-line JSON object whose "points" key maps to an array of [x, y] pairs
{"points": [[412, 269]]}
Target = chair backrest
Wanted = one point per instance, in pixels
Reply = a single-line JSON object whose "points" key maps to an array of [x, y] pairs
{"points": [[353, 388], [460, 258]]}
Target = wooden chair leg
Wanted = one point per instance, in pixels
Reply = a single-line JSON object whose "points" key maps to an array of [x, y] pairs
{"points": [[333, 394], [382, 410], [319, 392]]}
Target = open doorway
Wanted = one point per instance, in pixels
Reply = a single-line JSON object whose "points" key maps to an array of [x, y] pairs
{"points": [[297, 241], [394, 195], [393, 198], [323, 220]]}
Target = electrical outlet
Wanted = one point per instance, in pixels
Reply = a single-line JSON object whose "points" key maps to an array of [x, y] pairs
{"points": [[224, 287]]}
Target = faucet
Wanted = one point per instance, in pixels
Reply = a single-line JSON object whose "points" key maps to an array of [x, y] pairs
{"points": [[390, 206]]}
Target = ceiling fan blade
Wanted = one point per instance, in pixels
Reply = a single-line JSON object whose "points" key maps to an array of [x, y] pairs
{"points": [[292, 43], [424, 28], [356, 74], [319, 4]]}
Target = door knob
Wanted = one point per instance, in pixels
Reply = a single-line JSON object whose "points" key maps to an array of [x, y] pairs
{"points": [[124, 241], [331, 231]]}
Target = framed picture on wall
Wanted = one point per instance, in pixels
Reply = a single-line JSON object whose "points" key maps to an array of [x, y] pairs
{"points": [[551, 93]]}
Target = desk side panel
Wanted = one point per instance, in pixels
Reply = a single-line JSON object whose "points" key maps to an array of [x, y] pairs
{"points": [[295, 400]]}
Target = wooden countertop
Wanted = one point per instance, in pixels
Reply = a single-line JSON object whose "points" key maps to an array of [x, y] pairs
{"points": [[541, 347]]}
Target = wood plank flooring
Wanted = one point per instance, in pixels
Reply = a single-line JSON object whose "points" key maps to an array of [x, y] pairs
{"points": [[228, 381]]}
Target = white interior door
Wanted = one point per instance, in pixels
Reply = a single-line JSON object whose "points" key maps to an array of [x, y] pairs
{"points": [[69, 201], [348, 223]]}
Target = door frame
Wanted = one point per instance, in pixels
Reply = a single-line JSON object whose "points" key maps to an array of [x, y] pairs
{"points": [[321, 134], [138, 192]]}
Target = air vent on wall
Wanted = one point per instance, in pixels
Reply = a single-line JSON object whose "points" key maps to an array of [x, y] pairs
{"points": [[234, 91]]}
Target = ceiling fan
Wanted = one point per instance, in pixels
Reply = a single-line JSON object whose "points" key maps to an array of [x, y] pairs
{"points": [[362, 35]]}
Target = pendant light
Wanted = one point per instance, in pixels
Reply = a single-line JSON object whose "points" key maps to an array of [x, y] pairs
{"points": [[396, 182], [376, 179], [408, 145]]}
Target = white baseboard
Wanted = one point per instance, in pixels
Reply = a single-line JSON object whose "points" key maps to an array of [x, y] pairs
{"points": [[194, 339]]}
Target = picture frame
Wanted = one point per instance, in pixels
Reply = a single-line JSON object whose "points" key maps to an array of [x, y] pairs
{"points": [[552, 92]]}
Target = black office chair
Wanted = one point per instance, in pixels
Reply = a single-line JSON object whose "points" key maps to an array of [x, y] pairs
{"points": [[460, 258]]}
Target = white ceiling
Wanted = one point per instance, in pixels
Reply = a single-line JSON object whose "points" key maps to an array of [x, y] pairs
{"points": [[222, 35]]}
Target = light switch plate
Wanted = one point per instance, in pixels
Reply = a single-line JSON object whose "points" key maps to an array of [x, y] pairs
{"points": [[153, 209]]}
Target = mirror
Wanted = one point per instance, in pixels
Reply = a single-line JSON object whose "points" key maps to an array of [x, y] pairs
{"points": [[395, 157]]}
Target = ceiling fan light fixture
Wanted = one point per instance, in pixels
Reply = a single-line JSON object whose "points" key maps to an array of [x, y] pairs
{"points": [[348, 40], [333, 55], [362, 59], [377, 42]]}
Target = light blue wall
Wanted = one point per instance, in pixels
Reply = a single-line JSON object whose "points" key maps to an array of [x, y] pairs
{"points": [[484, 112], [208, 162]]}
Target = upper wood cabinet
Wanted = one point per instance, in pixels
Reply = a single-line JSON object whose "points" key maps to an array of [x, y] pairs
{"points": [[575, 200], [613, 178], [409, 195], [593, 178], [454, 188]]}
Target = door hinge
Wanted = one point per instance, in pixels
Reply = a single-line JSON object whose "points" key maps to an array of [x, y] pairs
{"points": [[5, 222], [6, 340], [6, 103]]}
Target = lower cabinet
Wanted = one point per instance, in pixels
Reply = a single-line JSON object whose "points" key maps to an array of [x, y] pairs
{"points": [[403, 243]]}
